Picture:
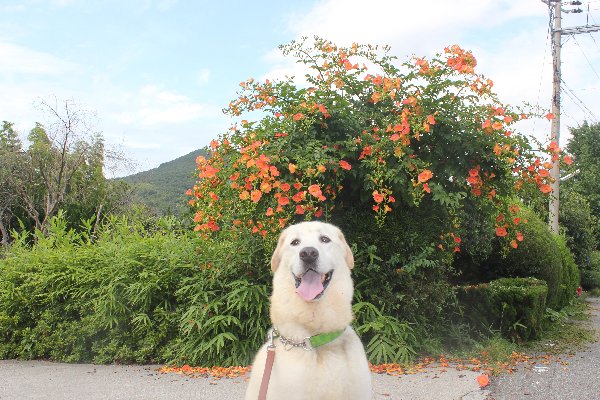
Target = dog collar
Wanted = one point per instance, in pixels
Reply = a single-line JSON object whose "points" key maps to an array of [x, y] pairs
{"points": [[308, 343]]}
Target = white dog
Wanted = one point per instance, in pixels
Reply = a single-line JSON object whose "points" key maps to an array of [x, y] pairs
{"points": [[317, 354]]}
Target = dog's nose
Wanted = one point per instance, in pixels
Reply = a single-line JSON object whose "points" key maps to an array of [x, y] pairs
{"points": [[309, 254]]}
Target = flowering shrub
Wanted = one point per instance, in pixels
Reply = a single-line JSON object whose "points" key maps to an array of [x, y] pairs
{"points": [[365, 131]]}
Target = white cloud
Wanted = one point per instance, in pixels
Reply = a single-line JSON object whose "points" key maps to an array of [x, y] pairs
{"points": [[21, 60], [203, 76], [153, 106]]}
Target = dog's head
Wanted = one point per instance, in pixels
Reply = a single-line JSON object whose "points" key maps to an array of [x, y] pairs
{"points": [[311, 254]]}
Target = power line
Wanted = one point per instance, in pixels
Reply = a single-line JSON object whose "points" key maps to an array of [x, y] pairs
{"points": [[586, 57], [578, 102]]}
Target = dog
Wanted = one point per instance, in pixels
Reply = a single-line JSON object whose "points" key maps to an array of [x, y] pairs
{"points": [[317, 354]]}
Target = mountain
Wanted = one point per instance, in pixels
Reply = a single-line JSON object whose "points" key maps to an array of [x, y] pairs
{"points": [[162, 189]]}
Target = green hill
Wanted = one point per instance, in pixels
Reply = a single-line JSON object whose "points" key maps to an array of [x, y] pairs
{"points": [[162, 189]]}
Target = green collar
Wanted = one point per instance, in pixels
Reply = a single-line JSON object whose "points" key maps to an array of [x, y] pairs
{"points": [[308, 343], [324, 338]]}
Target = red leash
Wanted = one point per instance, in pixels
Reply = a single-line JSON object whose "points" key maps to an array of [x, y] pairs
{"points": [[264, 384]]}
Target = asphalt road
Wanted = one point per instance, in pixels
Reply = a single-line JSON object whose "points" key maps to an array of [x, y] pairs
{"points": [[41, 380], [580, 379]]}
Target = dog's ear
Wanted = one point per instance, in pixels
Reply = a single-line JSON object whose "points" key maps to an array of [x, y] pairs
{"points": [[348, 256], [276, 257]]}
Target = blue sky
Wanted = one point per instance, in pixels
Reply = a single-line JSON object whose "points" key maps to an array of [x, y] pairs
{"points": [[158, 73]]}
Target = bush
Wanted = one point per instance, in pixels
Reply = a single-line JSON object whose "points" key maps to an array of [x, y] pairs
{"points": [[68, 298], [151, 292], [569, 280], [538, 255], [577, 219], [590, 279], [513, 306]]}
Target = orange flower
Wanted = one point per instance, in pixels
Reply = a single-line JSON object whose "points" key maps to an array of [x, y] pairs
{"points": [[292, 168], [546, 188], [473, 172], [501, 231], [283, 200], [321, 168], [269, 212], [345, 165], [255, 195], [568, 160], [209, 172], [483, 380], [550, 116], [431, 120], [244, 195], [519, 236], [426, 188], [376, 97], [299, 209], [285, 187], [378, 197], [425, 175], [315, 190], [514, 244], [298, 116]]}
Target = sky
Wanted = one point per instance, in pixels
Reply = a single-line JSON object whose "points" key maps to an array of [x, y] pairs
{"points": [[157, 73]]}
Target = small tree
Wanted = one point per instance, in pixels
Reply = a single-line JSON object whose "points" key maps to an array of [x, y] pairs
{"points": [[11, 159], [61, 168], [585, 147]]}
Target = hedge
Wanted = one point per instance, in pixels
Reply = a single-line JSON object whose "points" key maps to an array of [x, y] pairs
{"points": [[513, 306], [590, 279]]}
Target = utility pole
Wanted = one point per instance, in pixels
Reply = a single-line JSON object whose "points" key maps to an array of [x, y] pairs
{"points": [[554, 206], [557, 32]]}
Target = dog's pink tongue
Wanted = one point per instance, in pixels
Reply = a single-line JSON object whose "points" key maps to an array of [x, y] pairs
{"points": [[310, 286]]}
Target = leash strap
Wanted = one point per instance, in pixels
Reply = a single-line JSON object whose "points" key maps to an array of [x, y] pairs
{"points": [[264, 384], [308, 343]]}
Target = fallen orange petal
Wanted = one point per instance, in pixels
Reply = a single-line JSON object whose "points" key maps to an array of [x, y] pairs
{"points": [[483, 380]]}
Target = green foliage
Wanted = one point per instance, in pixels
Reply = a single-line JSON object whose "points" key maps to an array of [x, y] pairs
{"points": [[513, 306], [569, 273], [590, 279], [537, 256], [585, 146], [580, 225], [70, 299], [162, 189], [381, 139], [224, 315], [387, 339]]}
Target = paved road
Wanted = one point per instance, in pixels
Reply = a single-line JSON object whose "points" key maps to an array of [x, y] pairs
{"points": [[41, 380], [580, 379]]}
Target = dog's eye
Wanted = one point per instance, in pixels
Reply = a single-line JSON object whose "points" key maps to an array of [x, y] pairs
{"points": [[295, 242], [325, 239]]}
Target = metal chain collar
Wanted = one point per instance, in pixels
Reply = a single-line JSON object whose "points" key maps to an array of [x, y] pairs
{"points": [[288, 344]]}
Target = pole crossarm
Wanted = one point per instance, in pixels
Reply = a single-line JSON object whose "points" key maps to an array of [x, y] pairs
{"points": [[579, 29]]}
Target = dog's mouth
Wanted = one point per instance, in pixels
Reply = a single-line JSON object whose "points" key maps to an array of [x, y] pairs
{"points": [[311, 285]]}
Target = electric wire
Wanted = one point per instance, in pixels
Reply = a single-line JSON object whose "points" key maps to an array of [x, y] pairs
{"points": [[586, 57], [578, 102]]}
